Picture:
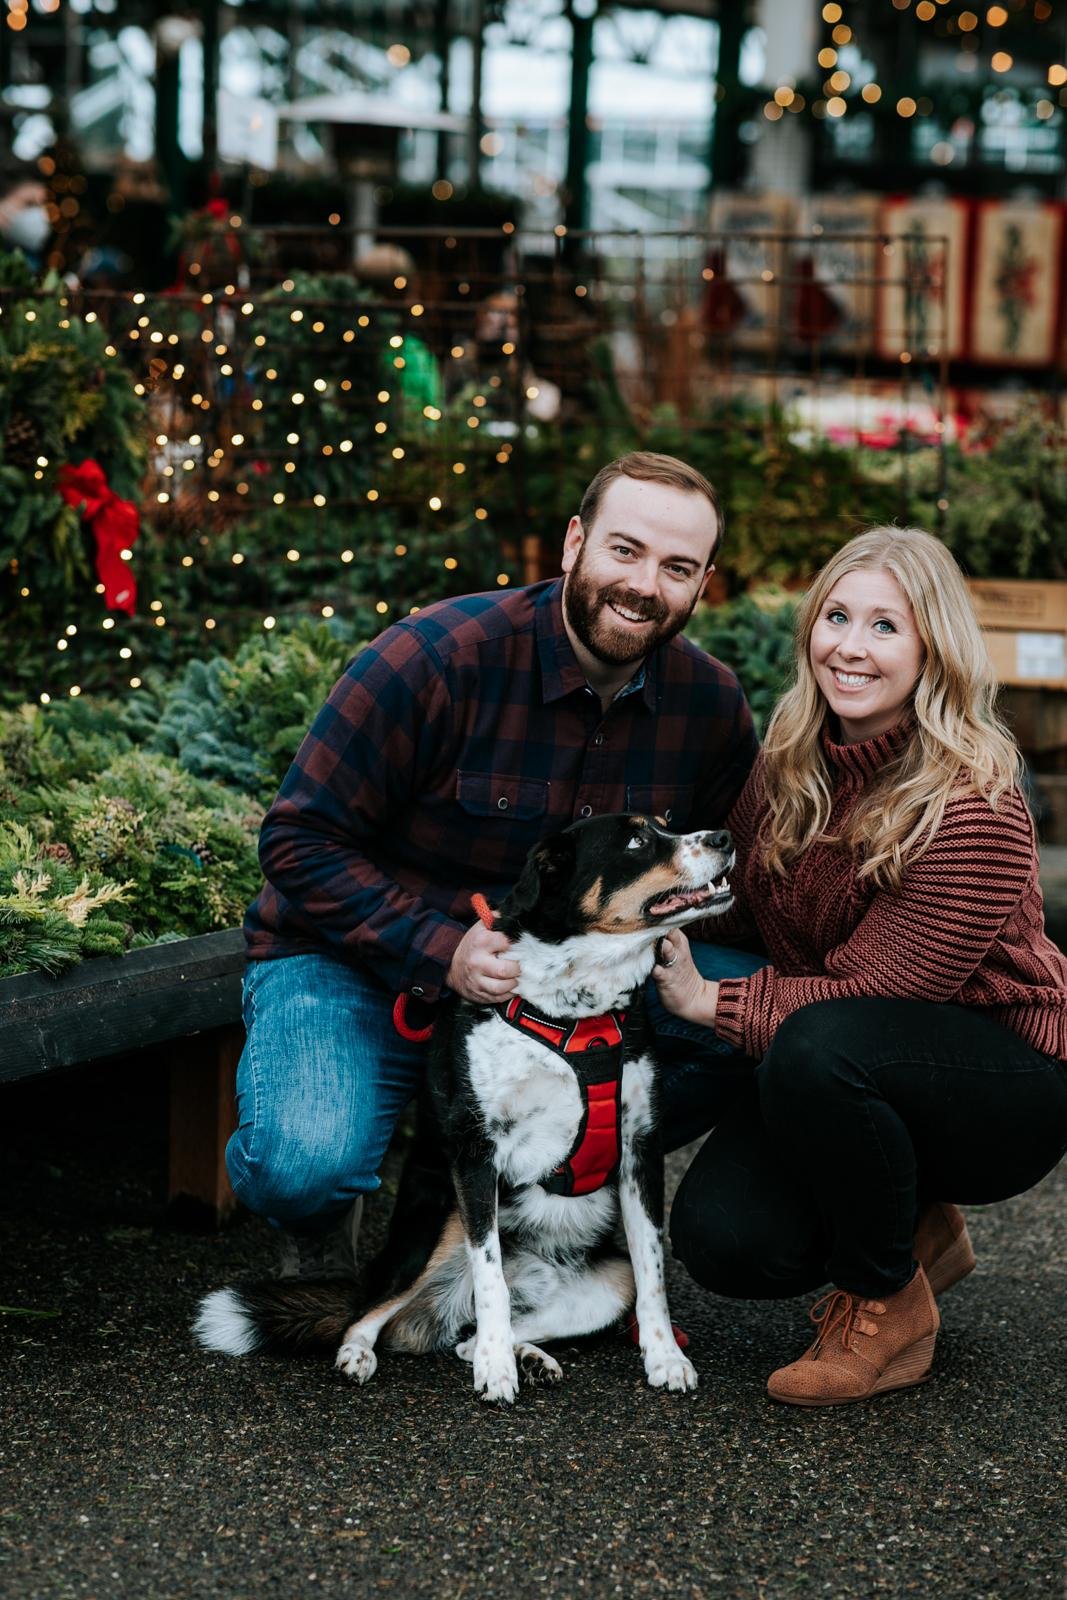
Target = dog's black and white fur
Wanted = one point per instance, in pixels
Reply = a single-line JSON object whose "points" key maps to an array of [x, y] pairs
{"points": [[523, 1265]]}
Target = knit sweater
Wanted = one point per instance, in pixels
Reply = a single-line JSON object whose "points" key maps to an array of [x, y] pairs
{"points": [[966, 925]]}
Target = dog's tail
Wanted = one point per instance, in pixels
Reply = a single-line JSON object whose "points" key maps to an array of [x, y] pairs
{"points": [[303, 1317]]}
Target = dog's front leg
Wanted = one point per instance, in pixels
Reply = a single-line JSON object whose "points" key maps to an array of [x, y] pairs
{"points": [[641, 1200], [495, 1373]]}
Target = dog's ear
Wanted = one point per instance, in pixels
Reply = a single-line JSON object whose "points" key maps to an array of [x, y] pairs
{"points": [[543, 878]]}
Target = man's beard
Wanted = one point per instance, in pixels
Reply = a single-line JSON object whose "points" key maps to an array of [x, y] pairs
{"points": [[588, 612]]}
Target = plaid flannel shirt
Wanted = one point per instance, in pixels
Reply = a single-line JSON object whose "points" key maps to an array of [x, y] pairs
{"points": [[452, 744]]}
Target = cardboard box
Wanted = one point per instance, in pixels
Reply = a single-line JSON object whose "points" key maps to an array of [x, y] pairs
{"points": [[1025, 625]]}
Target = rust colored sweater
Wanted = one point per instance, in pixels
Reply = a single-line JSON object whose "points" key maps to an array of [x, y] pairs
{"points": [[966, 925]]}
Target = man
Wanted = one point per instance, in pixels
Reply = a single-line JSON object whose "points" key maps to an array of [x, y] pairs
{"points": [[453, 743]]}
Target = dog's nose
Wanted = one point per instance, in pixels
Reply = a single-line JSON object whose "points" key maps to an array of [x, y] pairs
{"points": [[719, 841]]}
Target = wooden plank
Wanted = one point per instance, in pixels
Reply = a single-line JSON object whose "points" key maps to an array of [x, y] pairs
{"points": [[203, 1114], [109, 1007]]}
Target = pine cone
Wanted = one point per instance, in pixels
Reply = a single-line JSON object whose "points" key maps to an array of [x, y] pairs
{"points": [[22, 442], [59, 852]]}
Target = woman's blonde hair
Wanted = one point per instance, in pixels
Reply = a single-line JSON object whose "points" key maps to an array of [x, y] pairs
{"points": [[958, 739]]}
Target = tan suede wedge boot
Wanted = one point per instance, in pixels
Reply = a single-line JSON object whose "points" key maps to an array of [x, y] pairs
{"points": [[863, 1347], [943, 1246]]}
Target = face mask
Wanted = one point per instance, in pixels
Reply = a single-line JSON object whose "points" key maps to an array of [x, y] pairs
{"points": [[28, 229]]}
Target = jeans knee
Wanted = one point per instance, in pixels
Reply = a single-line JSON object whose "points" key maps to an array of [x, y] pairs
{"points": [[291, 1184], [740, 1256]]}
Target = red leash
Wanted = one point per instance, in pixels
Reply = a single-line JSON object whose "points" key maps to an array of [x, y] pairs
{"points": [[681, 1339], [408, 1030], [483, 910]]}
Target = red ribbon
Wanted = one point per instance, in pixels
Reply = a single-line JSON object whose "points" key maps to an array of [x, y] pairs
{"points": [[114, 524]]}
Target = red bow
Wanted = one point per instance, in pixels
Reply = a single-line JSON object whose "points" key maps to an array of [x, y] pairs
{"points": [[115, 525]]}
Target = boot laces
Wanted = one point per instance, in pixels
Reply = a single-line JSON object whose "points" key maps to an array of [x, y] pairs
{"points": [[839, 1309]]}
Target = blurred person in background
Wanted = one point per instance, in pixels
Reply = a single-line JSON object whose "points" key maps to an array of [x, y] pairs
{"points": [[25, 224]]}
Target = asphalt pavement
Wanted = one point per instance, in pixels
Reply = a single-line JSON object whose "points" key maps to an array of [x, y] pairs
{"points": [[132, 1463]]}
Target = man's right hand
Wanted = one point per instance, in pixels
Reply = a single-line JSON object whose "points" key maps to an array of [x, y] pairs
{"points": [[480, 969]]}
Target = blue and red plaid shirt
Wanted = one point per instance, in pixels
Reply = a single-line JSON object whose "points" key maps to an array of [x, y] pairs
{"points": [[453, 743]]}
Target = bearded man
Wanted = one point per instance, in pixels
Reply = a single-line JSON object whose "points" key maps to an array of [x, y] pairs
{"points": [[452, 744]]}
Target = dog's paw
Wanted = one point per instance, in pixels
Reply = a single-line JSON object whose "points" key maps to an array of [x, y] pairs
{"points": [[537, 1366], [671, 1371], [465, 1349], [496, 1377], [357, 1360]]}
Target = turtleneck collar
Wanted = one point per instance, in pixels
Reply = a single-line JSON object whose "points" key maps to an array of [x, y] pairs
{"points": [[864, 759]]}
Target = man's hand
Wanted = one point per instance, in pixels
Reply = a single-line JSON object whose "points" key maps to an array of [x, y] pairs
{"points": [[480, 969]]}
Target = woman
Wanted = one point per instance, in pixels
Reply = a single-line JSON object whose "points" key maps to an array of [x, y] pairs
{"points": [[911, 1028]]}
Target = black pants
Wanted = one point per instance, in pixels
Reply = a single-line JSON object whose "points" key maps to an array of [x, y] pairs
{"points": [[862, 1111]]}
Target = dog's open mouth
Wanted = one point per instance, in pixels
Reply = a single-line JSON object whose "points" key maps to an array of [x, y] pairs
{"points": [[689, 899]]}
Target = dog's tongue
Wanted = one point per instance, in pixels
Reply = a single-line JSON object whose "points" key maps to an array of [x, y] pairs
{"points": [[678, 902]]}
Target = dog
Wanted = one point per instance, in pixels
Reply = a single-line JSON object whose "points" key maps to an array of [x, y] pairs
{"points": [[547, 1108]]}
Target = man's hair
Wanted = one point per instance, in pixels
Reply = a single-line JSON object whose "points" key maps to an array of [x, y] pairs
{"points": [[650, 467]]}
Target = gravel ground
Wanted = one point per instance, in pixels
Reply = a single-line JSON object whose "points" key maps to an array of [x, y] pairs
{"points": [[135, 1464]]}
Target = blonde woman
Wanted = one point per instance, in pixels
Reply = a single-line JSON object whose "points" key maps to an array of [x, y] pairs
{"points": [[911, 1028]]}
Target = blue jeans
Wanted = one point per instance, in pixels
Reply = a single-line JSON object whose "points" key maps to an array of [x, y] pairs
{"points": [[324, 1076]]}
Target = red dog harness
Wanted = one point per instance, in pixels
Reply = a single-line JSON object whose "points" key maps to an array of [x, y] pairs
{"points": [[592, 1048]]}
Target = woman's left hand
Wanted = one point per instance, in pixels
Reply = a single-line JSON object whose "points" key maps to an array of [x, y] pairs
{"points": [[681, 988]]}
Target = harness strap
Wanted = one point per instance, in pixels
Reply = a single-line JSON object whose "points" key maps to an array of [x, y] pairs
{"points": [[592, 1048]]}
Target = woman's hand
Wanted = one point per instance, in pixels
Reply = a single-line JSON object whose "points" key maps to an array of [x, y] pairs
{"points": [[681, 988]]}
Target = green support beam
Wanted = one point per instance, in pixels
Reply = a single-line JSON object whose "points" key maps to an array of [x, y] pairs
{"points": [[576, 208], [725, 155], [209, 36]]}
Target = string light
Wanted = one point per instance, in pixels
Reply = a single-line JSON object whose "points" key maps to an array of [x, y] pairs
{"points": [[185, 459]]}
